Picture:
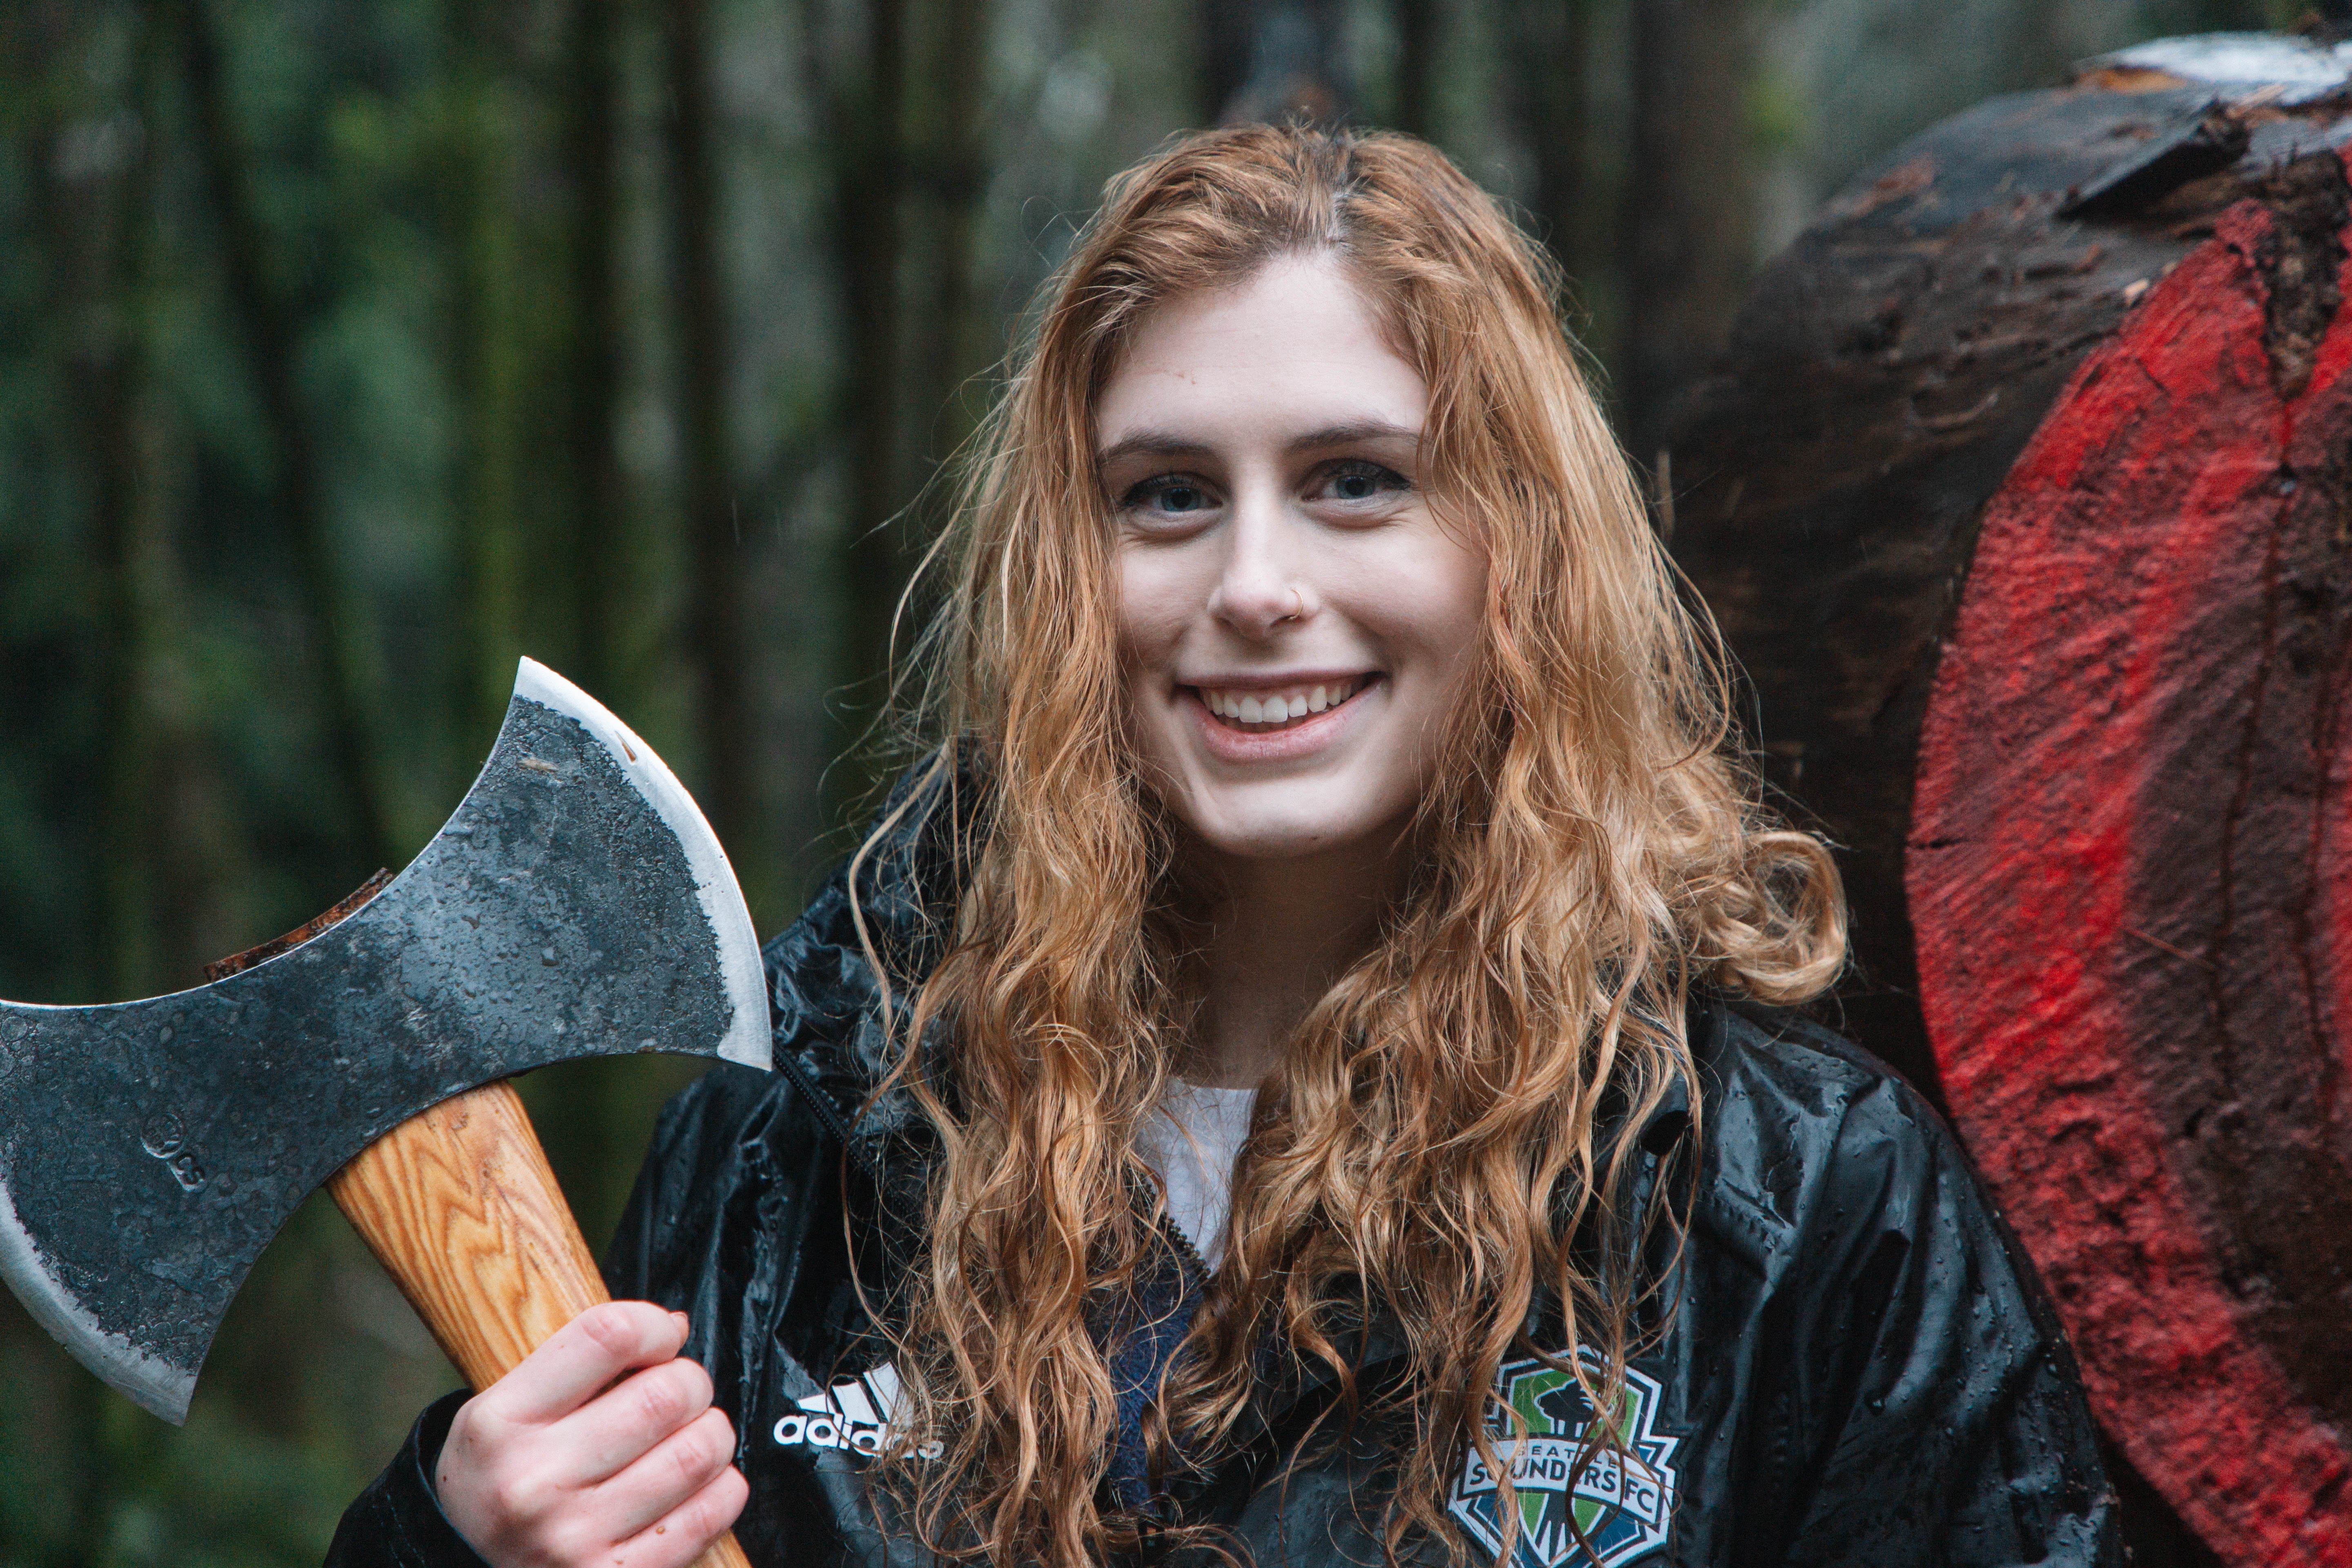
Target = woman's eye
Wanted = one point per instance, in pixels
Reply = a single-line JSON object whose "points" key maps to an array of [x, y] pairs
{"points": [[1361, 481], [1167, 494]]}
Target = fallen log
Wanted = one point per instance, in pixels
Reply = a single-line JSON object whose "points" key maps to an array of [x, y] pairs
{"points": [[2024, 498]]}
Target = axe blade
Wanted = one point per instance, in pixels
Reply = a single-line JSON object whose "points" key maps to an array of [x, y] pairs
{"points": [[576, 904]]}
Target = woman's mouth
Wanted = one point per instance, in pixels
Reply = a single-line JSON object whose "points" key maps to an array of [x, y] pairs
{"points": [[1269, 712]]}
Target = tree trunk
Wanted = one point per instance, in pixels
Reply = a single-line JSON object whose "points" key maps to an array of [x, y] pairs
{"points": [[1550, 45], [1223, 34], [94, 228], [1685, 232], [593, 152], [97, 229], [953, 177], [859, 80], [337, 630], [2127, 843], [715, 623], [488, 355], [1416, 22], [592, 1114], [1269, 61], [2019, 500]]}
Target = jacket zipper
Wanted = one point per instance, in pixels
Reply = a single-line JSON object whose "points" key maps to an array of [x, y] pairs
{"points": [[828, 1111], [1186, 1253]]}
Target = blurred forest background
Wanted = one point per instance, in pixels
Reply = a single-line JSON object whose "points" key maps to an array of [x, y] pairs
{"points": [[348, 350]]}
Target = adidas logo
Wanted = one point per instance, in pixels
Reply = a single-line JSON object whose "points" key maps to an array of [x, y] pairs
{"points": [[854, 1415]]}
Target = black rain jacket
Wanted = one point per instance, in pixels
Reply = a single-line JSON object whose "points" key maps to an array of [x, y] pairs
{"points": [[1859, 1370]]}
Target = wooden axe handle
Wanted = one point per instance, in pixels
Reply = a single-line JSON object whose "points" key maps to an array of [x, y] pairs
{"points": [[460, 1207]]}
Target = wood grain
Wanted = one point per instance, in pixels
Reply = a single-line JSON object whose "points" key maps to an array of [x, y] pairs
{"points": [[459, 1206], [1907, 422], [1885, 373], [2130, 870]]}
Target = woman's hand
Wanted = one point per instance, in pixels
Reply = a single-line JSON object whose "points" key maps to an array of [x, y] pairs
{"points": [[557, 1466]]}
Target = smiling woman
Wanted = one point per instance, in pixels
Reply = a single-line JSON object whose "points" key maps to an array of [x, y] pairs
{"points": [[1297, 624], [1299, 1074]]}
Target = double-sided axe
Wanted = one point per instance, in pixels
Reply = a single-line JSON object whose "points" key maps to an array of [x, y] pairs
{"points": [[576, 905]]}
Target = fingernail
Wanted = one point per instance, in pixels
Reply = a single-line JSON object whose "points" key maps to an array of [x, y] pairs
{"points": [[681, 1317]]}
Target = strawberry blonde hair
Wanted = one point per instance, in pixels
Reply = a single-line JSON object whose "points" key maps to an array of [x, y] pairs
{"points": [[1450, 1130]]}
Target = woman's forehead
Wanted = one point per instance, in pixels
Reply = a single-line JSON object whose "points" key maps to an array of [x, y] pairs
{"points": [[1292, 350]]}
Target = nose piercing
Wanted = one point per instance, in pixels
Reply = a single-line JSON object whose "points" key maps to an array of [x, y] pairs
{"points": [[1298, 599]]}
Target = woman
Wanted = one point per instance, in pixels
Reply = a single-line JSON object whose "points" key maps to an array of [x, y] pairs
{"points": [[1343, 958]]}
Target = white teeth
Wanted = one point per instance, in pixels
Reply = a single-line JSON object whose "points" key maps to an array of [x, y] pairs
{"points": [[1279, 707]]}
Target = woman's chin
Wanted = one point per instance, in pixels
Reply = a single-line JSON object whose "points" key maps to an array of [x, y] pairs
{"points": [[1298, 822]]}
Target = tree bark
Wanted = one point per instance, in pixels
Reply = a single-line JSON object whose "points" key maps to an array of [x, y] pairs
{"points": [[1911, 371], [715, 624], [593, 147], [1686, 231], [1221, 50], [1268, 61], [336, 625], [1416, 22], [97, 228], [1551, 44], [858, 79], [953, 179], [2127, 828], [488, 356]]}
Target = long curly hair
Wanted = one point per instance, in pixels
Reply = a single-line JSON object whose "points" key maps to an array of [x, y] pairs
{"points": [[1449, 1128]]}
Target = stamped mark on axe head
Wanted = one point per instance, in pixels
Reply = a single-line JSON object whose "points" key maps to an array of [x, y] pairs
{"points": [[577, 904]]}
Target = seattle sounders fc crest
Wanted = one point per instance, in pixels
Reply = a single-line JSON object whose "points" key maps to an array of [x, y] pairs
{"points": [[1620, 1500]]}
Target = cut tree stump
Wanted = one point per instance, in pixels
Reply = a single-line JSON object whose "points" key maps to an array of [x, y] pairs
{"points": [[2025, 499]]}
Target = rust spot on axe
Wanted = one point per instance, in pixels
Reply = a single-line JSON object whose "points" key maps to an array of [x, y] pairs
{"points": [[352, 903]]}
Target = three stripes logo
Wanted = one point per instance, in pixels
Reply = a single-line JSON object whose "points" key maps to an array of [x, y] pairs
{"points": [[854, 1417]]}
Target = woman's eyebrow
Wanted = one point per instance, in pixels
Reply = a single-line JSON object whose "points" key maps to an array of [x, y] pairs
{"points": [[1164, 444], [1150, 444], [1351, 432]]}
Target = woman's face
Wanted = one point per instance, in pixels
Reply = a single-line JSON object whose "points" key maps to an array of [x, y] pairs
{"points": [[1296, 627]]}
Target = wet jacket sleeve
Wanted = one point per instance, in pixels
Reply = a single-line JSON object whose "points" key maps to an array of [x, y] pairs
{"points": [[397, 1523], [1945, 1422]]}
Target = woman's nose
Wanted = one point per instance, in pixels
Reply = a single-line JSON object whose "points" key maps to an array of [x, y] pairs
{"points": [[1260, 589]]}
